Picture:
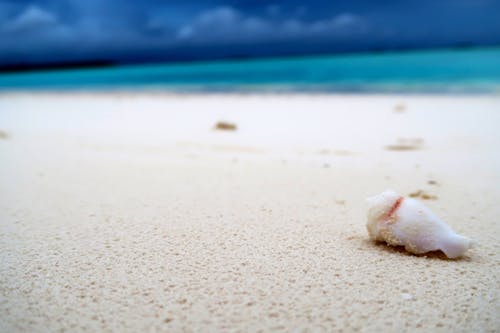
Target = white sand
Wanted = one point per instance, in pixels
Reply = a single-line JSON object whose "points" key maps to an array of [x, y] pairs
{"points": [[130, 213]]}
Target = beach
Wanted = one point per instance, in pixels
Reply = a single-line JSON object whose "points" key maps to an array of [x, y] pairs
{"points": [[133, 212]]}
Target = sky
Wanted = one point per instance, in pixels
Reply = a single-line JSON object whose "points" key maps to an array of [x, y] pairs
{"points": [[39, 31]]}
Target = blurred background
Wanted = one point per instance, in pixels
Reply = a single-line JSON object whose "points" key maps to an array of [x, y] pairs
{"points": [[353, 46]]}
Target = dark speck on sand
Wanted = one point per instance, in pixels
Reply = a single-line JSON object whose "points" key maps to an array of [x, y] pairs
{"points": [[422, 195], [400, 108], [403, 144], [225, 126]]}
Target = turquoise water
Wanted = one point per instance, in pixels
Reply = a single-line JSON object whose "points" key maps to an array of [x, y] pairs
{"points": [[449, 71]]}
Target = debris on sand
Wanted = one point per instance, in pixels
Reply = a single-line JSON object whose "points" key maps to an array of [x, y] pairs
{"points": [[403, 144], [225, 126], [422, 195], [400, 108]]}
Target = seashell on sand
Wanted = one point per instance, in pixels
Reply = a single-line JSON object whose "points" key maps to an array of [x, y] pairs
{"points": [[401, 221]]}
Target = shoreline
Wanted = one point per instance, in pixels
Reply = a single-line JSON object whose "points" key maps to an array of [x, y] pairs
{"points": [[162, 92]]}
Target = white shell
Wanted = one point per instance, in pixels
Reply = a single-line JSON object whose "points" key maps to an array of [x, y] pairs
{"points": [[407, 222]]}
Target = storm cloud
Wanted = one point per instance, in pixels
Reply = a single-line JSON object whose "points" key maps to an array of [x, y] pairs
{"points": [[59, 30]]}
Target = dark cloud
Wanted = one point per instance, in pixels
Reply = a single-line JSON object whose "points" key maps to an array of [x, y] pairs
{"points": [[223, 24], [31, 18], [42, 30]]}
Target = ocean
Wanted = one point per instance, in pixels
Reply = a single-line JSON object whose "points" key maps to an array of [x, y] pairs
{"points": [[470, 71]]}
